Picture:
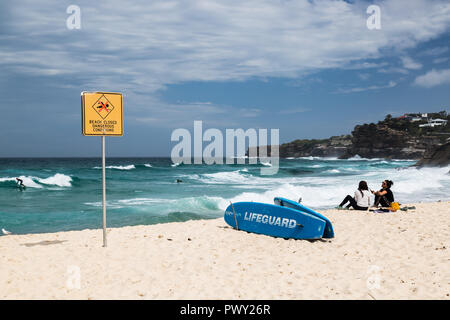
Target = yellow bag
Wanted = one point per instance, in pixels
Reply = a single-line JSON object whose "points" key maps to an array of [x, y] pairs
{"points": [[394, 206]]}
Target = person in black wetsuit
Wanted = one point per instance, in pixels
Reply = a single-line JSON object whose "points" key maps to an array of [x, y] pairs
{"points": [[384, 196], [20, 183]]}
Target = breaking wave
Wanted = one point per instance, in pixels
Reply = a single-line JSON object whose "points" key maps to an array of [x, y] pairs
{"points": [[60, 180], [129, 167]]}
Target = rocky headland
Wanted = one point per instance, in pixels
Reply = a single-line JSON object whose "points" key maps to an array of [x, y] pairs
{"points": [[408, 137], [438, 157]]}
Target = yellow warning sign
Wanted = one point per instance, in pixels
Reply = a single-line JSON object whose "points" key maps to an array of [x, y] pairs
{"points": [[102, 113]]}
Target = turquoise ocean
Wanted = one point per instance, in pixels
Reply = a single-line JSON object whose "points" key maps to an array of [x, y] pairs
{"points": [[66, 194]]}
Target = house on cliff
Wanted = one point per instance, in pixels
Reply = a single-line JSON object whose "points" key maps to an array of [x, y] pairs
{"points": [[434, 123]]}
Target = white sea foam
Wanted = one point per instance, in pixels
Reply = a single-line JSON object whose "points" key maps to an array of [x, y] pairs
{"points": [[309, 158], [267, 164], [318, 192], [414, 181], [241, 179], [60, 180], [109, 204], [403, 160], [359, 158], [238, 178], [148, 165], [410, 185], [129, 167], [28, 181], [319, 158], [356, 157], [194, 203], [234, 177], [139, 201], [317, 196], [164, 206]]}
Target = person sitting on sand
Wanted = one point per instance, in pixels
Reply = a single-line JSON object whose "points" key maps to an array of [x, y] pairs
{"points": [[384, 196], [361, 200]]}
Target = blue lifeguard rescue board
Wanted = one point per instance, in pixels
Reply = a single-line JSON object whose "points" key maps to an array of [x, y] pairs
{"points": [[328, 233], [273, 220]]}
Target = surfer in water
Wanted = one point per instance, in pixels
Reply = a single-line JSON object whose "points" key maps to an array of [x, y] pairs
{"points": [[384, 196], [20, 183], [361, 200]]}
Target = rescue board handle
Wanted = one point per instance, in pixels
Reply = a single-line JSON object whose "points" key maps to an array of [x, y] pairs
{"points": [[234, 213]]}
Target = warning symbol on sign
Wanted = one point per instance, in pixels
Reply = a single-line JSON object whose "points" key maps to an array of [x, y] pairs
{"points": [[101, 114], [103, 107]]}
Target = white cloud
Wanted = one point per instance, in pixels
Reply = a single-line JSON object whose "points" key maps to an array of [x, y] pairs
{"points": [[440, 60], [295, 110], [437, 51], [162, 42], [391, 84], [143, 47], [183, 114], [393, 70], [433, 78], [364, 76], [409, 63]]}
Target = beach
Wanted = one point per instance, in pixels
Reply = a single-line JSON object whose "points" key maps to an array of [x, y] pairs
{"points": [[401, 255]]}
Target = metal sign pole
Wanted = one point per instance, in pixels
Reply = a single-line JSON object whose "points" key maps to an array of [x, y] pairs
{"points": [[104, 191], [95, 108]]}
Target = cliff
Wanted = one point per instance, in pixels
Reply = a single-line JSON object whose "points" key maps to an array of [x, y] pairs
{"points": [[406, 137], [439, 157], [335, 146], [380, 141]]}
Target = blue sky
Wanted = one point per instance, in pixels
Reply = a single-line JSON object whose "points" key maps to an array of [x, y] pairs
{"points": [[311, 69]]}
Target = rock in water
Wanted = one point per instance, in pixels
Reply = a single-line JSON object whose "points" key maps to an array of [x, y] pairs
{"points": [[438, 157]]}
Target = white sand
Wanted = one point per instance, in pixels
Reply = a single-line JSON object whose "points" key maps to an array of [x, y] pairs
{"points": [[403, 255]]}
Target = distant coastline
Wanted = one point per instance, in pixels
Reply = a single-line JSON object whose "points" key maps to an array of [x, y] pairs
{"points": [[408, 137]]}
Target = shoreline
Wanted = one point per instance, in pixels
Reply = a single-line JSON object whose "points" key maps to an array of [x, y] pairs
{"points": [[206, 219], [401, 255]]}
